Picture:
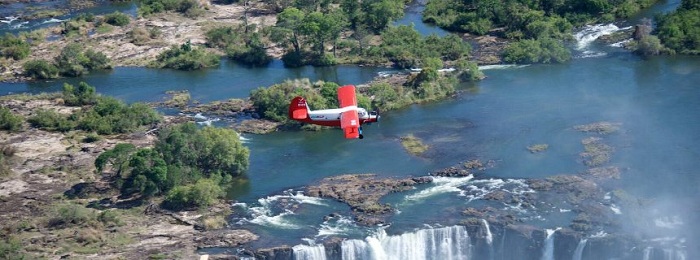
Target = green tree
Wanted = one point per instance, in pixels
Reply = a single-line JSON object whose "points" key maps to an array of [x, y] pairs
{"points": [[288, 30], [210, 150], [118, 157], [378, 14], [148, 174]]}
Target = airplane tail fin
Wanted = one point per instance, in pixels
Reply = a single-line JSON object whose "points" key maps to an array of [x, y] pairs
{"points": [[298, 109]]}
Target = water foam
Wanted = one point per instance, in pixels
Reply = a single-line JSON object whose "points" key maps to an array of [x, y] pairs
{"points": [[590, 33], [273, 210], [501, 66], [441, 185]]}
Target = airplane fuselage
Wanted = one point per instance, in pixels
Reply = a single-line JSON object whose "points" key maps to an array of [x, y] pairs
{"points": [[331, 117]]}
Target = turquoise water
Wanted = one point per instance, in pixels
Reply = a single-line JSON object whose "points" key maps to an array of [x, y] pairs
{"points": [[655, 101]]}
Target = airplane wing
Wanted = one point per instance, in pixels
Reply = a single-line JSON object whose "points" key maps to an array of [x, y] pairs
{"points": [[349, 120]]}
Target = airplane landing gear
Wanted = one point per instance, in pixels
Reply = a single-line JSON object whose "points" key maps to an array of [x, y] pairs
{"points": [[361, 136]]}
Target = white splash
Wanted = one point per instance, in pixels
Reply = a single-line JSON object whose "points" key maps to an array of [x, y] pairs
{"points": [[449, 243], [578, 253], [620, 44], [590, 33], [54, 20], [501, 66], [615, 209], [477, 189], [441, 185], [341, 225], [273, 210], [668, 222]]}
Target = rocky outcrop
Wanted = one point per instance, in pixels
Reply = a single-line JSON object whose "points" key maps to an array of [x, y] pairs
{"points": [[362, 192]]}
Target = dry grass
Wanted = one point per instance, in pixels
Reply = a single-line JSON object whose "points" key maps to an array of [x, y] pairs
{"points": [[413, 145]]}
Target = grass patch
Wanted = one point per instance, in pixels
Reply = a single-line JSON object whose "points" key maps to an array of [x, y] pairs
{"points": [[599, 127], [536, 148], [596, 153], [104, 28], [177, 98], [214, 222], [413, 145]]}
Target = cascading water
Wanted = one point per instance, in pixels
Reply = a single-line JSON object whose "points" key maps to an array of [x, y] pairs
{"points": [[448, 243], [489, 237], [589, 34], [312, 252], [548, 253], [579, 249]]}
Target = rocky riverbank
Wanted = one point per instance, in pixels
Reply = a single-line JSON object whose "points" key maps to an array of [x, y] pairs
{"points": [[120, 44], [54, 205]]}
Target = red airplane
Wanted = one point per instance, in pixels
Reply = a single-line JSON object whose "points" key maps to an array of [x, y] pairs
{"points": [[348, 117]]}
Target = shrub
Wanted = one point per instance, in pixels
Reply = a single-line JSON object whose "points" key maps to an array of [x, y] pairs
{"points": [[201, 194], [50, 120], [186, 57], [70, 214], [40, 69], [84, 94], [74, 62], [9, 121], [13, 47], [117, 19]]}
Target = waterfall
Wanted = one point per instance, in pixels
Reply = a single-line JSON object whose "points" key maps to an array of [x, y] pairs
{"points": [[548, 253], [579, 249], [448, 243], [312, 252], [489, 237]]}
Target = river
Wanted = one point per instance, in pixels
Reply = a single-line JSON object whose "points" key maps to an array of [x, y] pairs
{"points": [[654, 100]]}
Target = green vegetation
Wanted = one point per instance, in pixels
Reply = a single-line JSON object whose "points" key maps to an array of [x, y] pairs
{"points": [[9, 121], [273, 102], [188, 165], [186, 57], [545, 50], [240, 44], [117, 19], [13, 47], [40, 69], [102, 115], [189, 8], [73, 61], [539, 29], [413, 145], [10, 248], [680, 30], [536, 148]]}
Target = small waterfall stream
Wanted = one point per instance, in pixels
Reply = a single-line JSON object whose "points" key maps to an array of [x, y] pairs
{"points": [[548, 252], [579, 249]]}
